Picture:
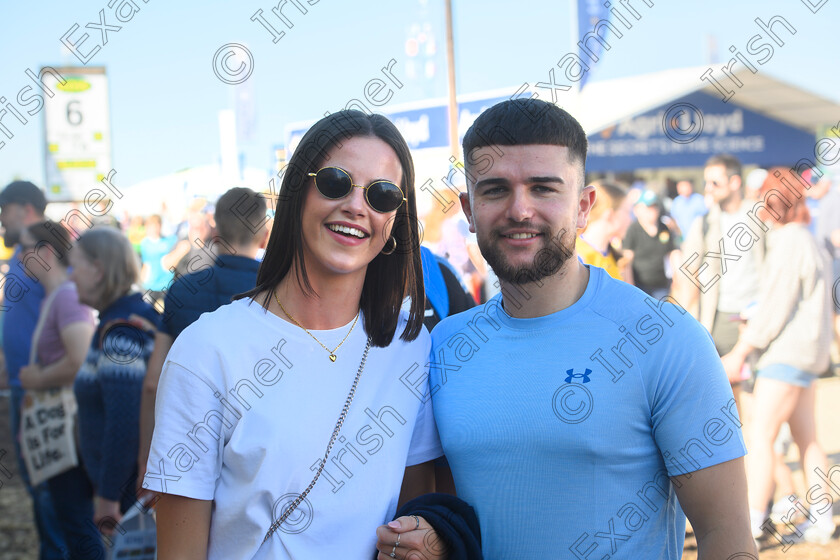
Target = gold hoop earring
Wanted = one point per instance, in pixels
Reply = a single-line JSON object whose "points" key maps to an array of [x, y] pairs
{"points": [[394, 248]]}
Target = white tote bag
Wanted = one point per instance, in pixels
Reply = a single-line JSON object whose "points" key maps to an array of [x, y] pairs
{"points": [[48, 422]]}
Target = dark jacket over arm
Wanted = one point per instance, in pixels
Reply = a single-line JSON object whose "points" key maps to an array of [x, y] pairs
{"points": [[454, 521]]}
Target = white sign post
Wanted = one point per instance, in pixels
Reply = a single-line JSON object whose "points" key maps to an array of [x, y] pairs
{"points": [[77, 128]]}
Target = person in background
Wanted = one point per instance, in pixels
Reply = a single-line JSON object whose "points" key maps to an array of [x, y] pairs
{"points": [[828, 236], [135, 229], [23, 204], [752, 184], [687, 206], [156, 276], [63, 340], [792, 330], [240, 223], [194, 250], [457, 246], [109, 383], [715, 297], [608, 221], [445, 293], [6, 254], [817, 189], [650, 246], [783, 485]]}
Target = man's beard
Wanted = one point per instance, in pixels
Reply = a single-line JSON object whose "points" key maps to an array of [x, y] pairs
{"points": [[550, 258], [11, 238]]}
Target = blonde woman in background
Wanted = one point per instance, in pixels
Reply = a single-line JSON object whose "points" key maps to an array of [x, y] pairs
{"points": [[608, 222]]}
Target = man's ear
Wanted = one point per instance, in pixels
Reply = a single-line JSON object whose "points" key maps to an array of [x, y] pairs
{"points": [[464, 197], [735, 183], [585, 202]]}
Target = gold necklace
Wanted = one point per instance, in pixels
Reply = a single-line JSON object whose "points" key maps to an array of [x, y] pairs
{"points": [[332, 352]]}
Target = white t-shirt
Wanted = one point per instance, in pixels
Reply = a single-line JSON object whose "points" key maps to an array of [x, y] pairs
{"points": [[246, 405], [739, 284]]}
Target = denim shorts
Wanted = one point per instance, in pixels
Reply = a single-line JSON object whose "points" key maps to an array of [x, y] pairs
{"points": [[788, 374]]}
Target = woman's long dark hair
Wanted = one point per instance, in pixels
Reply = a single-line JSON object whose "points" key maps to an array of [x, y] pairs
{"points": [[389, 278]]}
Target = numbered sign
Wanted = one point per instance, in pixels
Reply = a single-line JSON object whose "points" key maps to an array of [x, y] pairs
{"points": [[77, 130]]}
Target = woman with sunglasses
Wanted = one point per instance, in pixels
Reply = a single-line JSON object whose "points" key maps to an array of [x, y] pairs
{"points": [[291, 422]]}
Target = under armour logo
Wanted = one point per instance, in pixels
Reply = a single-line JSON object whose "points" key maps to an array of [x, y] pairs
{"points": [[570, 374]]}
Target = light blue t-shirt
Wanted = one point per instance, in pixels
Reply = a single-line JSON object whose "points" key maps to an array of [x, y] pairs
{"points": [[686, 210], [152, 251], [560, 430]]}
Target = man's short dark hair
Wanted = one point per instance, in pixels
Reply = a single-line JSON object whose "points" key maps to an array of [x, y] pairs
{"points": [[240, 216], [730, 163], [23, 193], [518, 122]]}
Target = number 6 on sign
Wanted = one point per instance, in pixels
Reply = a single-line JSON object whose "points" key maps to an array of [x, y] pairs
{"points": [[74, 116]]}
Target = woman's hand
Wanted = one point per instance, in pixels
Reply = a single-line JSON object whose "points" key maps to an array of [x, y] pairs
{"points": [[732, 364], [103, 510], [417, 540], [31, 377]]}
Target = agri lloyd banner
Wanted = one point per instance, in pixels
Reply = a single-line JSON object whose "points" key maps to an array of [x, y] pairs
{"points": [[688, 131]]}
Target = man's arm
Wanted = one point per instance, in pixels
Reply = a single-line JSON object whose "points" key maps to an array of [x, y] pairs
{"points": [[714, 500], [178, 252]]}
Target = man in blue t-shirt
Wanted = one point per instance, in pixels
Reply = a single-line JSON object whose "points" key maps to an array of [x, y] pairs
{"points": [[22, 204], [687, 206], [574, 410]]}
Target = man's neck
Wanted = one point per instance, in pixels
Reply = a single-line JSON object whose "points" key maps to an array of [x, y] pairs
{"points": [[549, 295], [249, 251]]}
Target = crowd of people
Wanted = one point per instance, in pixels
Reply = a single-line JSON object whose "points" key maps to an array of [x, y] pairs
{"points": [[209, 360], [765, 296]]}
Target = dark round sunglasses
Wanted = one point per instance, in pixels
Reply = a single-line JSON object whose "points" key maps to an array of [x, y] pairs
{"points": [[335, 183]]}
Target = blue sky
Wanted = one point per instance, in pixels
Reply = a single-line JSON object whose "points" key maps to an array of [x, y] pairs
{"points": [[165, 97]]}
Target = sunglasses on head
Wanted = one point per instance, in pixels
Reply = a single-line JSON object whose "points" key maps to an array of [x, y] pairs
{"points": [[335, 183]]}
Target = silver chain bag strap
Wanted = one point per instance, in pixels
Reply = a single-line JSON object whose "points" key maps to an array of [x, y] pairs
{"points": [[341, 417]]}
